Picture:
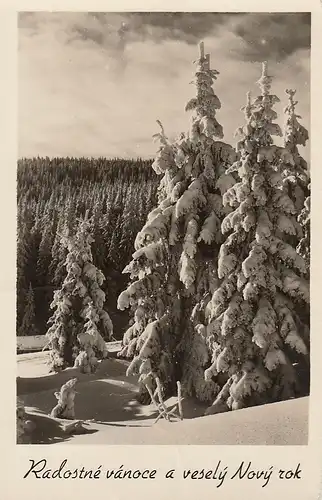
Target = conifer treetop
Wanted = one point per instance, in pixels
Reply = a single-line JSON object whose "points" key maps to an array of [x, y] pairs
{"points": [[265, 80], [295, 173], [206, 103], [295, 134]]}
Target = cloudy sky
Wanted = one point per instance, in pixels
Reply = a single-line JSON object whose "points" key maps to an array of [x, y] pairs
{"points": [[93, 84]]}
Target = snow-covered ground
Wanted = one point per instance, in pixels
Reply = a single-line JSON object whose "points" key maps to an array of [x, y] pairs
{"points": [[31, 342], [35, 343], [107, 400]]}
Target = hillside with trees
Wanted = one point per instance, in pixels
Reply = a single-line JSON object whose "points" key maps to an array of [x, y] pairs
{"points": [[51, 195]]}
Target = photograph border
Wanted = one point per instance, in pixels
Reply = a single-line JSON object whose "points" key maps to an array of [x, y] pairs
{"points": [[16, 459]]}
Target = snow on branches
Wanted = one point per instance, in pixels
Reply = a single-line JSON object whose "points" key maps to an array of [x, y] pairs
{"points": [[79, 322], [171, 269], [65, 407], [206, 103], [253, 324], [296, 176]]}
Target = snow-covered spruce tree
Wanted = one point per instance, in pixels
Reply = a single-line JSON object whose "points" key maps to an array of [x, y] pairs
{"points": [[296, 176], [79, 322], [253, 326], [172, 268], [28, 321]]}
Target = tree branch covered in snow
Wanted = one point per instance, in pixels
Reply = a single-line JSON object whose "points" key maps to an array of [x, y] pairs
{"points": [[296, 176], [253, 326], [79, 322], [172, 268]]}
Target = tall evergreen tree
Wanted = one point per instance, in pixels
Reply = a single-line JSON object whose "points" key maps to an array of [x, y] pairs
{"points": [[170, 249], [79, 322], [295, 173], [253, 328], [296, 180]]}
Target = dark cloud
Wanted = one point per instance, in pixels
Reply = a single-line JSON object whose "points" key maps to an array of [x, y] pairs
{"points": [[270, 35], [273, 36], [186, 27], [258, 36]]}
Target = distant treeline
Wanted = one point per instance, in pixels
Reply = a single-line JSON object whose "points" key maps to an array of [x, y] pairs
{"points": [[51, 195]]}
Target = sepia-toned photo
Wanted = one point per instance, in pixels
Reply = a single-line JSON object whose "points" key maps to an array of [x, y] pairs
{"points": [[163, 228]]}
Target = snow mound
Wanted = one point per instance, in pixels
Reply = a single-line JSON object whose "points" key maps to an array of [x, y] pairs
{"points": [[106, 403]]}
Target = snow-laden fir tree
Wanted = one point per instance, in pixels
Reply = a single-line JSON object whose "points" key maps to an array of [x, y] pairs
{"points": [[296, 180], [296, 176], [28, 321], [80, 323], [172, 268], [253, 328]]}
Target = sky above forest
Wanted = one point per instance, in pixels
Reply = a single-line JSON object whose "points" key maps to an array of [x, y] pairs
{"points": [[94, 84]]}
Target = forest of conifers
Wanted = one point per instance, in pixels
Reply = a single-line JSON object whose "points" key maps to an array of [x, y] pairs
{"points": [[52, 193], [219, 280]]}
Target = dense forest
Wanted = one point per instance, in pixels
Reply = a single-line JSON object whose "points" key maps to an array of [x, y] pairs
{"points": [[52, 193]]}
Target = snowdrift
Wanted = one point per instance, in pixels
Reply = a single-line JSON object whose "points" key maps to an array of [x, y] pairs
{"points": [[106, 402]]}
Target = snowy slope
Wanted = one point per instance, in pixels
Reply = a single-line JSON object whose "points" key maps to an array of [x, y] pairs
{"points": [[108, 397], [277, 424]]}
